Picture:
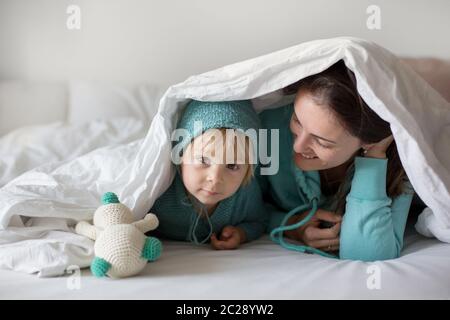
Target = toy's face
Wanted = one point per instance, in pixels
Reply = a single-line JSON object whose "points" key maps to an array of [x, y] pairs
{"points": [[210, 177], [112, 214]]}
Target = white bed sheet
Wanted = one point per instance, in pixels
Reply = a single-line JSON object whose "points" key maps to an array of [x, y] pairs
{"points": [[258, 270]]}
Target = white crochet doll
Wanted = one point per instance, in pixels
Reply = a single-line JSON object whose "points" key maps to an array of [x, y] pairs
{"points": [[121, 247]]}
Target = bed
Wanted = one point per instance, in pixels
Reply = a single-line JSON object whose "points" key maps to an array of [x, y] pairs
{"points": [[258, 270]]}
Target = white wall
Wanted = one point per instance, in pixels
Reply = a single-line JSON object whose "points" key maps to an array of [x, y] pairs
{"points": [[165, 41]]}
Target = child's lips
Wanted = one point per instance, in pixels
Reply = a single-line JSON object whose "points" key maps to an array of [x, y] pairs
{"points": [[210, 193]]}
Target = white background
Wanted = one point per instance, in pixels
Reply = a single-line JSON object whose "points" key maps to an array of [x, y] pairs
{"points": [[165, 41]]}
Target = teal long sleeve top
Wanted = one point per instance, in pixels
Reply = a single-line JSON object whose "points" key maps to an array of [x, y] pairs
{"points": [[373, 224], [178, 220]]}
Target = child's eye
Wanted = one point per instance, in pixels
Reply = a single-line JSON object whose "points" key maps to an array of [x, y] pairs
{"points": [[204, 161], [233, 167]]}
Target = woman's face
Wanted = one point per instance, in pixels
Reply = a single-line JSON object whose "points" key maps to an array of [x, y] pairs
{"points": [[320, 141]]}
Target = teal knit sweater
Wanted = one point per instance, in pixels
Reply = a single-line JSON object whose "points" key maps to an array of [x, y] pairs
{"points": [[179, 221], [373, 224]]}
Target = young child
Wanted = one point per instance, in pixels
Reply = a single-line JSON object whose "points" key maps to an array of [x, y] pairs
{"points": [[213, 195]]}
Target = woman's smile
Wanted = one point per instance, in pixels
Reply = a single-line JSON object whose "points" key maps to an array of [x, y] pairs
{"points": [[308, 157]]}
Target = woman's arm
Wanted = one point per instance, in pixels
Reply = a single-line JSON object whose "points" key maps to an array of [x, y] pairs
{"points": [[373, 224]]}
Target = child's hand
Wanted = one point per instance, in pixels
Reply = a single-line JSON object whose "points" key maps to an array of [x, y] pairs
{"points": [[230, 238]]}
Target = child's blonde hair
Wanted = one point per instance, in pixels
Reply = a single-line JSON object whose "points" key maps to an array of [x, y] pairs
{"points": [[234, 143]]}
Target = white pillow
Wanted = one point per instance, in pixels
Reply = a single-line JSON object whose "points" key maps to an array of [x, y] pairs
{"points": [[90, 101], [150, 95], [28, 103]]}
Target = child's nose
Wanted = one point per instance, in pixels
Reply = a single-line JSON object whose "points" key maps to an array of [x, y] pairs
{"points": [[215, 174]]}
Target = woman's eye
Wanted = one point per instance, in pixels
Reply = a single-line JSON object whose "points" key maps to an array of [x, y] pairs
{"points": [[233, 167], [322, 145]]}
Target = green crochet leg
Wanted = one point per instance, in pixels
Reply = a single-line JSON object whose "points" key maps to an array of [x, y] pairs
{"points": [[152, 249], [100, 267]]}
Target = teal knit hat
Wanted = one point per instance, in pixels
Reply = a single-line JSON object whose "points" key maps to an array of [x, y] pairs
{"points": [[215, 115]]}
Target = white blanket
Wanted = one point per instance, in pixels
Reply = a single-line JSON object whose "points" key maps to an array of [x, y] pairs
{"points": [[29, 147], [55, 197]]}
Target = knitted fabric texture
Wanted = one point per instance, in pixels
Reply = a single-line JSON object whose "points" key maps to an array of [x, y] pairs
{"points": [[152, 249], [179, 220], [307, 185], [110, 197], [113, 213], [238, 115], [121, 247], [99, 267]]}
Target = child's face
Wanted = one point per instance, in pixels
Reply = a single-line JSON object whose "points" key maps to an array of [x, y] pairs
{"points": [[208, 177]]}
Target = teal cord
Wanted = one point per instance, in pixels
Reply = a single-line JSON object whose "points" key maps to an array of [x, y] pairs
{"points": [[277, 234], [193, 236]]}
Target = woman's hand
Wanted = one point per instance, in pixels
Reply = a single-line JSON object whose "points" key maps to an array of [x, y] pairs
{"points": [[310, 234], [378, 150], [230, 238]]}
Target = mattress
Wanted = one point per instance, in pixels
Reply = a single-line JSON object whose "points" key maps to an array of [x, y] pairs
{"points": [[258, 270]]}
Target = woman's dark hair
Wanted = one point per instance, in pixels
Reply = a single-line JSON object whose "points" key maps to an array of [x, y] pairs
{"points": [[336, 88]]}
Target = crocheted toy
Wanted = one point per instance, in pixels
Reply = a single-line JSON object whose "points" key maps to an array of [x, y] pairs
{"points": [[121, 247]]}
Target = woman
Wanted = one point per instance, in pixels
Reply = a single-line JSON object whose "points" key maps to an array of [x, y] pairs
{"points": [[340, 176]]}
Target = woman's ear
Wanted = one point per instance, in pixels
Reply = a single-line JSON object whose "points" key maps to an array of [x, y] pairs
{"points": [[378, 150], [367, 146]]}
